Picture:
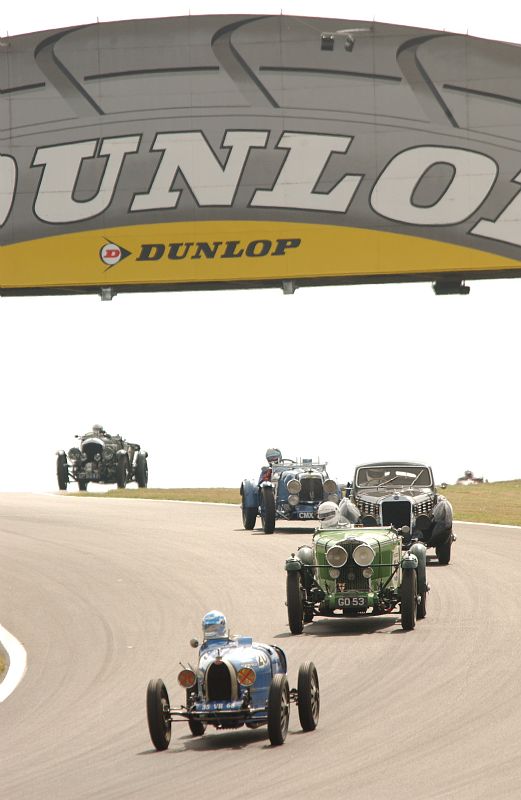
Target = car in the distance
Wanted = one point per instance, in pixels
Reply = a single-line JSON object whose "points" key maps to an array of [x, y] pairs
{"points": [[102, 458], [286, 490], [402, 493]]}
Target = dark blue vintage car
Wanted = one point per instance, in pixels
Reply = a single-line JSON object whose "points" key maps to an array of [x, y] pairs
{"points": [[286, 489], [237, 682]]}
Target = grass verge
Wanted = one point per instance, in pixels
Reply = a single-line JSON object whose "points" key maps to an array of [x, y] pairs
{"points": [[498, 502]]}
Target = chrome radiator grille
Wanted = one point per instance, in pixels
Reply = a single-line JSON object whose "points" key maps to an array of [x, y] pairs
{"points": [[312, 489]]}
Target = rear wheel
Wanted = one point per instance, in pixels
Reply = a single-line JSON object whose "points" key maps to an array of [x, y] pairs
{"points": [[268, 509], [409, 603], [308, 696], [122, 472], [278, 709], [443, 551], [141, 470], [62, 471], [294, 602], [158, 714]]}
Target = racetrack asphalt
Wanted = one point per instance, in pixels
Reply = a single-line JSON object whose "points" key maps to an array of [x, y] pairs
{"points": [[105, 594]]}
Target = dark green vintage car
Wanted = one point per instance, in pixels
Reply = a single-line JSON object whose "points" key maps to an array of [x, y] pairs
{"points": [[350, 570]]}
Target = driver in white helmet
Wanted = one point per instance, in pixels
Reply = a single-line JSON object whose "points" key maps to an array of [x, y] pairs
{"points": [[328, 514]]}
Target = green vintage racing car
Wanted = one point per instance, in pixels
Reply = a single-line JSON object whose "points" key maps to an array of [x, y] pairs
{"points": [[350, 570]]}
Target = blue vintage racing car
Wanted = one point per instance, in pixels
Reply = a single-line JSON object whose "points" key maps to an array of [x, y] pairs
{"points": [[286, 489], [237, 682]]}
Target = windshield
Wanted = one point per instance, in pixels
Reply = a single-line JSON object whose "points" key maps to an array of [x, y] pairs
{"points": [[393, 475]]}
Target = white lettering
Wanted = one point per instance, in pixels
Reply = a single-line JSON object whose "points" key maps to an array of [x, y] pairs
{"points": [[54, 201], [8, 173], [474, 176], [306, 160], [507, 227], [190, 154]]}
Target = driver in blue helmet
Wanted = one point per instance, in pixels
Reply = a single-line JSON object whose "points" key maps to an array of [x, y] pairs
{"points": [[215, 627]]}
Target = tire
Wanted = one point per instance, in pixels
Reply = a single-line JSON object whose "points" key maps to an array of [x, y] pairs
{"points": [[421, 611], [294, 603], [82, 486], [122, 472], [278, 709], [409, 601], [158, 706], [443, 551], [249, 518], [62, 471], [268, 509], [197, 728], [141, 471], [308, 696]]}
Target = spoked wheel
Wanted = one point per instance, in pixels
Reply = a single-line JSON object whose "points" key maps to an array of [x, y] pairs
{"points": [[62, 471], [409, 601], [267, 509], [158, 714], [308, 696], [294, 603], [278, 709]]}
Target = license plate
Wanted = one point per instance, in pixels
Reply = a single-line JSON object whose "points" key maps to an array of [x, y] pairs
{"points": [[305, 515], [352, 602]]}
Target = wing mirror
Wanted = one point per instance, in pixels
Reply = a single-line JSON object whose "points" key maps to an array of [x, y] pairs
{"points": [[194, 643]]}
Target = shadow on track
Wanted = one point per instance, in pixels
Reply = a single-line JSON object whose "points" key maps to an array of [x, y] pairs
{"points": [[344, 626]]}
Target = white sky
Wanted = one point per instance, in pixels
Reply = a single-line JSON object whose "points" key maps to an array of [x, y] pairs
{"points": [[206, 381]]}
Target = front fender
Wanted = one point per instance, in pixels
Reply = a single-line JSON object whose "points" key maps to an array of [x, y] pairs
{"points": [[293, 564], [420, 551], [249, 494]]}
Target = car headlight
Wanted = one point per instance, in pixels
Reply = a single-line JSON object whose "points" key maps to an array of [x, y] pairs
{"points": [[336, 556], [330, 486], [74, 453], [334, 572], [363, 555], [186, 678], [293, 499], [294, 486], [246, 676]]}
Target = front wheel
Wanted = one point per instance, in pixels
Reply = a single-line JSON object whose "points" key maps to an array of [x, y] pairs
{"points": [[141, 471], [443, 551], [308, 696], [121, 473], [422, 605], [409, 603], [267, 509], [249, 517], [294, 602], [62, 471], [158, 714], [278, 709]]}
